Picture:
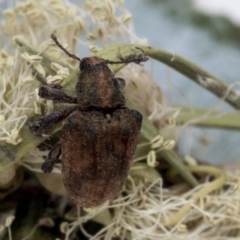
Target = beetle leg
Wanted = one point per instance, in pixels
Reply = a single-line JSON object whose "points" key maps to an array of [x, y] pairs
{"points": [[45, 123], [52, 158], [53, 92], [54, 85]]}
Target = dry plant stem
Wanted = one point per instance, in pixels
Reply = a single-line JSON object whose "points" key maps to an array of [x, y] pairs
{"points": [[206, 118], [148, 130], [208, 188]]}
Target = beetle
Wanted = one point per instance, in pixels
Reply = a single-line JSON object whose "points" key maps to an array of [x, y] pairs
{"points": [[98, 139]]}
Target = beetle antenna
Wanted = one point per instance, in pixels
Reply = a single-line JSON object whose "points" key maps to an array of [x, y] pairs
{"points": [[54, 38], [138, 60]]}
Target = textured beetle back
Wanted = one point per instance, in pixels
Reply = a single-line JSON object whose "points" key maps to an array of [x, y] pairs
{"points": [[97, 154]]}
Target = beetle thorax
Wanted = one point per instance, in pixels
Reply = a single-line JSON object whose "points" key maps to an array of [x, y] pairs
{"points": [[97, 87]]}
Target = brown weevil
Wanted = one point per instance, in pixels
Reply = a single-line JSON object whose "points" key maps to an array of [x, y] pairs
{"points": [[99, 137]]}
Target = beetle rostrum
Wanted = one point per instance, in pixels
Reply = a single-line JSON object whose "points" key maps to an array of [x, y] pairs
{"points": [[99, 137]]}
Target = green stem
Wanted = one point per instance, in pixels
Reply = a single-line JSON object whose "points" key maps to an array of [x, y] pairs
{"points": [[148, 130], [206, 118], [218, 183], [195, 73]]}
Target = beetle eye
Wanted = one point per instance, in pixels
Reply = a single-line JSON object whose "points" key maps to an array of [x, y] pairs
{"points": [[119, 83]]}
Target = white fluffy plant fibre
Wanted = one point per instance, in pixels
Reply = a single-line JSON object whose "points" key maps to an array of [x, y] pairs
{"points": [[144, 209], [88, 23]]}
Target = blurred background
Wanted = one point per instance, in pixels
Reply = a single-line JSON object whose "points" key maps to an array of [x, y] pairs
{"points": [[208, 34]]}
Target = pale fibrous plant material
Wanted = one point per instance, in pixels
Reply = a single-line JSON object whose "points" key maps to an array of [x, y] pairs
{"points": [[153, 204]]}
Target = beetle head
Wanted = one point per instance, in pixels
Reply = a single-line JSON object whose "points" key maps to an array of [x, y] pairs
{"points": [[91, 62]]}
